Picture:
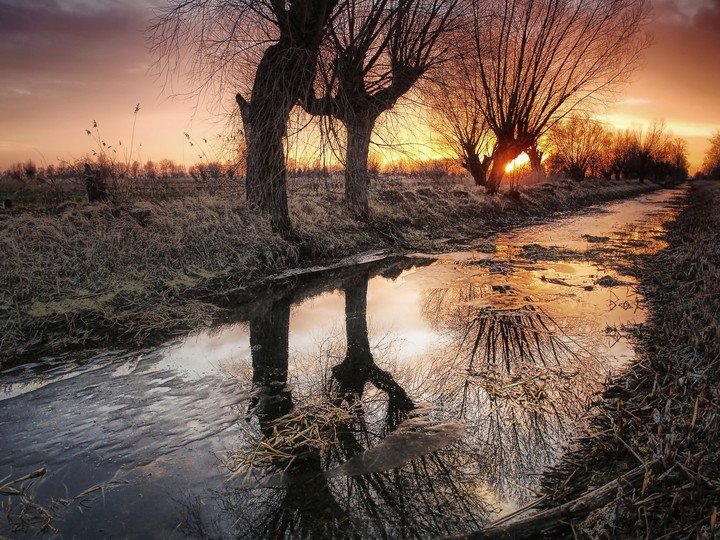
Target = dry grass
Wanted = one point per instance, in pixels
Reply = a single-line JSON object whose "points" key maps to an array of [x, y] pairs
{"points": [[663, 413], [77, 274], [26, 516], [309, 430]]}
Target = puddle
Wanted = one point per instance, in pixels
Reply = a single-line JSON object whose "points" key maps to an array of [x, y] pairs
{"points": [[410, 397]]}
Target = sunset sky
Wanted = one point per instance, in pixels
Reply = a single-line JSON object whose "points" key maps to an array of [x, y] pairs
{"points": [[65, 63]]}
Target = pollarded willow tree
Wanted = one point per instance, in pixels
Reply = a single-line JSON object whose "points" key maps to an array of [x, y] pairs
{"points": [[268, 50], [540, 59], [450, 95], [376, 52]]}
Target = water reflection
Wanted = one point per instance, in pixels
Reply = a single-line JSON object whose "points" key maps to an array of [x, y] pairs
{"points": [[341, 463], [515, 375], [358, 367]]}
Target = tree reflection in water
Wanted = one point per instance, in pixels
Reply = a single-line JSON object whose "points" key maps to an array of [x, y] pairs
{"points": [[327, 467], [515, 376]]}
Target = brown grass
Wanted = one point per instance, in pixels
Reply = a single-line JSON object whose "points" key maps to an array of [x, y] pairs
{"points": [[663, 413], [75, 273]]}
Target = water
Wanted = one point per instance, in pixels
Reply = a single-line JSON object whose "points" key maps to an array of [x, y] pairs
{"points": [[412, 397]]}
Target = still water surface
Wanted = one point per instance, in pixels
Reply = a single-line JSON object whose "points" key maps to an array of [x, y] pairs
{"points": [[413, 397]]}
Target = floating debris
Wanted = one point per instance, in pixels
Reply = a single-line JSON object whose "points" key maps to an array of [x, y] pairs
{"points": [[595, 239], [609, 281]]}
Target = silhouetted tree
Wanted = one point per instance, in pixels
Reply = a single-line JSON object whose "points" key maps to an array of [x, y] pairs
{"points": [[271, 42], [539, 59], [647, 151], [711, 165], [458, 118], [150, 169], [577, 145], [378, 49], [676, 158]]}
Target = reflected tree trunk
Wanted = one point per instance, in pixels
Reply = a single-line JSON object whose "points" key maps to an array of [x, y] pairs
{"points": [[359, 367], [298, 514], [269, 331]]}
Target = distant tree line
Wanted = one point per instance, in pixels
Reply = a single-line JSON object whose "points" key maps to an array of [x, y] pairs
{"points": [[149, 170], [581, 146]]}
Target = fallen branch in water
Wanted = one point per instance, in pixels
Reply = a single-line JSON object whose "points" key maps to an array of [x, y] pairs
{"points": [[546, 520]]}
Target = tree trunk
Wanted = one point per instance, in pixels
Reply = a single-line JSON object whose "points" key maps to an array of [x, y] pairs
{"points": [[501, 157], [478, 168], [536, 156], [577, 173], [281, 80], [357, 179], [269, 330]]}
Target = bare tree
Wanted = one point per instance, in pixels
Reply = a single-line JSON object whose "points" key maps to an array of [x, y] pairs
{"points": [[539, 59], [577, 145], [677, 159], [268, 48], [618, 154], [377, 51], [648, 148], [711, 165], [457, 118]]}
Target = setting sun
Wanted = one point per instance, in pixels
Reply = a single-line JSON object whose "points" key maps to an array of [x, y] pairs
{"points": [[517, 163]]}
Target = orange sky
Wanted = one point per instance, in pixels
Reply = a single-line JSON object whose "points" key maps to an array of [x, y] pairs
{"points": [[65, 63]]}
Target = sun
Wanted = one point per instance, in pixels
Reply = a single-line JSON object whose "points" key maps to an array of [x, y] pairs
{"points": [[516, 163]]}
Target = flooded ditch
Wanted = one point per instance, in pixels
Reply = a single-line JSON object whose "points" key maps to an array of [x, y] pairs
{"points": [[419, 396]]}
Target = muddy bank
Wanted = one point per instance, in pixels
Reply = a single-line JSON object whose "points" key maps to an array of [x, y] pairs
{"points": [[647, 465], [80, 275]]}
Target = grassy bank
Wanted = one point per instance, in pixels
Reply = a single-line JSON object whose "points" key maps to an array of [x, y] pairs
{"points": [[658, 424], [80, 274]]}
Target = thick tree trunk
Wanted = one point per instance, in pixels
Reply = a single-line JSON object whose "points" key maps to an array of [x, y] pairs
{"points": [[577, 173], [478, 168], [281, 80], [505, 151], [357, 179], [536, 156]]}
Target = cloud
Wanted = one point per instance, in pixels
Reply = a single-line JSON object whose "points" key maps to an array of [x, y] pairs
{"points": [[707, 19], [46, 38], [635, 101]]}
